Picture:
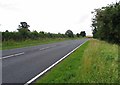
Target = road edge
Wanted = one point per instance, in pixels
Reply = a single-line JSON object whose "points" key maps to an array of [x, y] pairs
{"points": [[41, 73]]}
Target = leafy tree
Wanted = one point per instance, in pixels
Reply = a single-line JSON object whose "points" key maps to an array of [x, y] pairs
{"points": [[69, 33], [106, 23], [78, 35], [82, 33], [6, 31], [24, 25], [34, 35], [23, 30]]}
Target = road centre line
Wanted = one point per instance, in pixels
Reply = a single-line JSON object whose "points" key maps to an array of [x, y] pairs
{"points": [[47, 47], [9, 56], [17, 54]]}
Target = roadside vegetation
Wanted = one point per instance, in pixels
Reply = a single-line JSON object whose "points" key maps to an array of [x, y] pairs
{"points": [[24, 37], [94, 62], [106, 23]]}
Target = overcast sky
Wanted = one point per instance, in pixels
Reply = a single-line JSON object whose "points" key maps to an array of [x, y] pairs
{"points": [[49, 15]]}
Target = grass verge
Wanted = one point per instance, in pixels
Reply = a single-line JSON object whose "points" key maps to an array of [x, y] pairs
{"points": [[17, 44], [94, 62]]}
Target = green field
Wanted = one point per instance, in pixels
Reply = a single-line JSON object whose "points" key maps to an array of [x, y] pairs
{"points": [[17, 44], [94, 62]]}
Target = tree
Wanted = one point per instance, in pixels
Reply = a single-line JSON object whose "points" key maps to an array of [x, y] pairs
{"points": [[94, 32], [106, 23], [6, 31], [23, 29], [69, 33], [24, 25], [78, 35], [34, 34], [82, 33]]}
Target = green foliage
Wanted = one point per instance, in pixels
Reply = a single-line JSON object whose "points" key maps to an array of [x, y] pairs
{"points": [[82, 33], [69, 33], [106, 23], [78, 35], [23, 25], [24, 33], [23, 30]]}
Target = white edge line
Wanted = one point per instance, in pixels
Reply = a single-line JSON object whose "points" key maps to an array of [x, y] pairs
{"points": [[12, 55], [40, 74]]}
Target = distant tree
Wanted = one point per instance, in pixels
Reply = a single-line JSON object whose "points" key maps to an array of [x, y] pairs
{"points": [[49, 35], [69, 33], [82, 33], [78, 35], [34, 34], [23, 29], [24, 25], [6, 31], [42, 32]]}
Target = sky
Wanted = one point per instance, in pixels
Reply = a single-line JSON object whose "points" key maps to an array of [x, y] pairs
{"points": [[55, 16]]}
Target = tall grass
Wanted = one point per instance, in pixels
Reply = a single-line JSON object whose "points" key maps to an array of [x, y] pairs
{"points": [[99, 63], [94, 62]]}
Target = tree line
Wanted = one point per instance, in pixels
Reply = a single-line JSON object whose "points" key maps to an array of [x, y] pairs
{"points": [[24, 33], [106, 23]]}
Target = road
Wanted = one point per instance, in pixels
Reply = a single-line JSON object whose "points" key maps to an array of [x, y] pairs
{"points": [[22, 64]]}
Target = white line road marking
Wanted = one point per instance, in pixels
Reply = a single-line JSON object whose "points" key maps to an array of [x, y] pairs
{"points": [[40, 74], [47, 47], [13, 55], [17, 54], [44, 48]]}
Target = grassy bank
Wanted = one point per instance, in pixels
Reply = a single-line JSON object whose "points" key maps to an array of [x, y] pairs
{"points": [[17, 44], [94, 62]]}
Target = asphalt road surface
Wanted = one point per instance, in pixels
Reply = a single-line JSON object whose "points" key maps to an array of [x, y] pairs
{"points": [[22, 64]]}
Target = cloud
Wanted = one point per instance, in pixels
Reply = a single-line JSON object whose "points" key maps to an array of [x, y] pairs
{"points": [[8, 6]]}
